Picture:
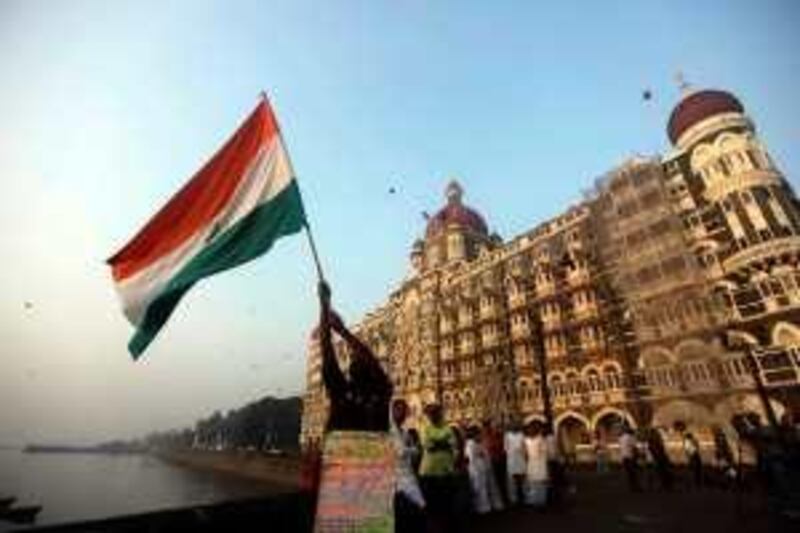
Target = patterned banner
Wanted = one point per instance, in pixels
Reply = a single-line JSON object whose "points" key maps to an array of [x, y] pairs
{"points": [[357, 486]]}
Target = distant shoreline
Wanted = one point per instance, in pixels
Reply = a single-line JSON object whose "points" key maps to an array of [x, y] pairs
{"points": [[283, 472], [105, 450]]}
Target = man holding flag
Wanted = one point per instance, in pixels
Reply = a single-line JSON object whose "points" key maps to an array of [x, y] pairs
{"points": [[230, 212]]}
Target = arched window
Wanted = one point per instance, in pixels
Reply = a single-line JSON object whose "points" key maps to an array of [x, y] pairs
{"points": [[573, 384], [612, 377], [524, 390], [594, 380], [754, 162], [740, 158], [555, 385]]}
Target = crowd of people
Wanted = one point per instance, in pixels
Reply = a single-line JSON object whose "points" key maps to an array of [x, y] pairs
{"points": [[645, 458], [479, 469], [647, 463], [446, 473], [372, 473]]}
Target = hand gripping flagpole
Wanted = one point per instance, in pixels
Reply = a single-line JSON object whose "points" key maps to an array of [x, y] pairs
{"points": [[306, 225]]}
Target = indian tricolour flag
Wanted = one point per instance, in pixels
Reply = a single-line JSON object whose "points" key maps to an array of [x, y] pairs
{"points": [[230, 212]]}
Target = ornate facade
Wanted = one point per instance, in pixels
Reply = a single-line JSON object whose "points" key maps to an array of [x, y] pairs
{"points": [[646, 299]]}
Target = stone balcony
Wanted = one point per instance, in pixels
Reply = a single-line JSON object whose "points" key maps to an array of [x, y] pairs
{"points": [[517, 301], [520, 331], [591, 345], [466, 323], [447, 351], [555, 352], [778, 369], [490, 341], [545, 289], [586, 311], [757, 252], [577, 276], [719, 189], [488, 312], [552, 322]]}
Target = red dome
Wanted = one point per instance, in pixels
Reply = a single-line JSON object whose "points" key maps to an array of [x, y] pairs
{"points": [[456, 213], [699, 106]]}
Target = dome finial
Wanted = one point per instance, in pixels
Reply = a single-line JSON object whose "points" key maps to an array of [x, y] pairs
{"points": [[453, 192], [684, 86]]}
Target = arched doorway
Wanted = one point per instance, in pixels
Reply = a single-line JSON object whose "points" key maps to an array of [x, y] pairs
{"points": [[608, 427], [572, 431], [656, 356], [786, 335], [534, 418], [747, 406], [684, 414]]}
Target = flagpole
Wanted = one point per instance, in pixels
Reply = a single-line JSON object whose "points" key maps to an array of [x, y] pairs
{"points": [[315, 254]]}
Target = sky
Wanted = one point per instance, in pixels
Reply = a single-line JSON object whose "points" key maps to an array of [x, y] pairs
{"points": [[108, 107]]}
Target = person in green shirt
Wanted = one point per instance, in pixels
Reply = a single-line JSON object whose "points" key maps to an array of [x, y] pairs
{"points": [[437, 470]]}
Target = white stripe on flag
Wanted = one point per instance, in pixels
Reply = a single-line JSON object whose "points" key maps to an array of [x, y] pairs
{"points": [[267, 175]]}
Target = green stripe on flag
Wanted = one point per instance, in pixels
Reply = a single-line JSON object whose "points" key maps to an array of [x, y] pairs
{"points": [[249, 238]]}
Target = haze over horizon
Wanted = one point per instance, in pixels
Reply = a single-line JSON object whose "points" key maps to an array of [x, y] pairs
{"points": [[107, 110]]}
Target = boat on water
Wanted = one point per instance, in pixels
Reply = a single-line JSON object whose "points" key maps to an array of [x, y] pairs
{"points": [[6, 501], [20, 515]]}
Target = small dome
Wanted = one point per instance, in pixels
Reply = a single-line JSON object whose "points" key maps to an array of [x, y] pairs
{"points": [[455, 212], [698, 106]]}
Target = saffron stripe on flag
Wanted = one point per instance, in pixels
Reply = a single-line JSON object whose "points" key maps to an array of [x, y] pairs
{"points": [[207, 193]]}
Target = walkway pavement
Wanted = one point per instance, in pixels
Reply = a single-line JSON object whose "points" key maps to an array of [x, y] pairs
{"points": [[602, 503]]}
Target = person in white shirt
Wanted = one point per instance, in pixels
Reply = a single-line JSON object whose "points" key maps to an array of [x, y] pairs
{"points": [[536, 476], [479, 467], [628, 453], [514, 446], [409, 504]]}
